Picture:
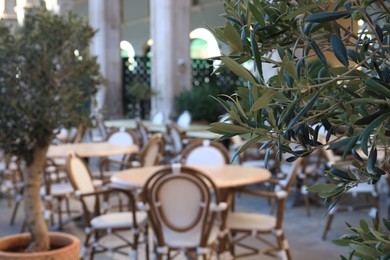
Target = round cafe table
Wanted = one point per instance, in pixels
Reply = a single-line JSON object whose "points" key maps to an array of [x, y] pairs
{"points": [[90, 149], [224, 176]]}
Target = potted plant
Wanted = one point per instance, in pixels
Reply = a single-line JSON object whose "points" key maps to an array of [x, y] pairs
{"points": [[199, 103], [47, 81], [348, 98]]}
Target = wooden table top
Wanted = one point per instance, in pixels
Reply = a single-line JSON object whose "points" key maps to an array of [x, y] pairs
{"points": [[90, 149], [224, 176]]}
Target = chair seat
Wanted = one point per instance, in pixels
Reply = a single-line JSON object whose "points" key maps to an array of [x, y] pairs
{"points": [[118, 220], [249, 222], [97, 183], [59, 189], [98, 175], [189, 239]]}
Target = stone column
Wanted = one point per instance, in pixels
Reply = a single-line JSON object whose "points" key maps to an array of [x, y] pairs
{"points": [[105, 16], [65, 6], [9, 15], [171, 64], [31, 3]]}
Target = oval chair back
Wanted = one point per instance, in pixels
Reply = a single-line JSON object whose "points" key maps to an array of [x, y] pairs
{"points": [[158, 118], [184, 119], [179, 200], [81, 179], [205, 152], [153, 151], [121, 136]]}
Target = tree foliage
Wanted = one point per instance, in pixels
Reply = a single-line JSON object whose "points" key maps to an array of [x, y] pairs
{"points": [[347, 102], [344, 105], [47, 79]]}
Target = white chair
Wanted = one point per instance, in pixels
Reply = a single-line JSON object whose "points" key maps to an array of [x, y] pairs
{"points": [[245, 224], [101, 222], [118, 136], [53, 195], [184, 120], [183, 204], [201, 152], [158, 118]]}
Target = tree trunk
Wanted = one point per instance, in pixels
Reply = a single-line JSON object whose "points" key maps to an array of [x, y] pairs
{"points": [[32, 199]]}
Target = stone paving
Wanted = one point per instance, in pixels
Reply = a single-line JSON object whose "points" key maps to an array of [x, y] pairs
{"points": [[303, 232]]}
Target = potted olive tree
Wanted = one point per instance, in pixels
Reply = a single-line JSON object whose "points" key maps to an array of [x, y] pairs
{"points": [[348, 98], [47, 81]]}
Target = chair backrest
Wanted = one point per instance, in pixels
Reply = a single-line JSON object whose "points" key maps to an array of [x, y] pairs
{"points": [[99, 124], [153, 151], [288, 182], [225, 118], [143, 132], [76, 135], [158, 118], [184, 120], [206, 152], [175, 137], [178, 198], [283, 189], [81, 179], [121, 136]]}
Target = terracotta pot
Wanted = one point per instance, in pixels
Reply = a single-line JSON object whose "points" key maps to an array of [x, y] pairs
{"points": [[67, 247]]}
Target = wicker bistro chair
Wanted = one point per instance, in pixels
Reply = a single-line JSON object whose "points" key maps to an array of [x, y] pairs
{"points": [[244, 224], [150, 155], [182, 205], [184, 120], [142, 132], [118, 136], [200, 152], [99, 221], [175, 142], [158, 118]]}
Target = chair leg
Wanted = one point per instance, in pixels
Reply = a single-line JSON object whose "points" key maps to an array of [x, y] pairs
{"points": [[283, 246], [146, 239], [67, 207], [307, 204], [59, 209], [24, 225], [135, 243], [327, 226], [14, 213]]}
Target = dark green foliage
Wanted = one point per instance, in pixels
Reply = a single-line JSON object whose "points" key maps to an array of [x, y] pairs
{"points": [[199, 102], [47, 79], [368, 242], [137, 96], [305, 94], [312, 102]]}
